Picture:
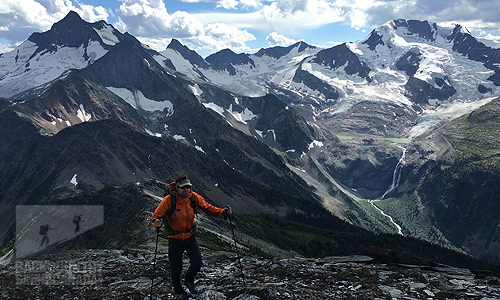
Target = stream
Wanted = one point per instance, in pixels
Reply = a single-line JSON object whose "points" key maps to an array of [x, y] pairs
{"points": [[396, 177], [384, 214]]}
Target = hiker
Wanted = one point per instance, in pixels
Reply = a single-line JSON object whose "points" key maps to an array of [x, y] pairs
{"points": [[44, 230], [180, 229], [77, 219]]}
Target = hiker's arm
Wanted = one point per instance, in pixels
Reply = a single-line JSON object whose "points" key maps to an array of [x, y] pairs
{"points": [[160, 211], [208, 208]]}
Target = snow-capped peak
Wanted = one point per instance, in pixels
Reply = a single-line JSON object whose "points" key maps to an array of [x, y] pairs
{"points": [[70, 44], [407, 63]]}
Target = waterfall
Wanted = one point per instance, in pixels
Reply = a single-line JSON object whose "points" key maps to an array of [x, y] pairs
{"points": [[396, 175]]}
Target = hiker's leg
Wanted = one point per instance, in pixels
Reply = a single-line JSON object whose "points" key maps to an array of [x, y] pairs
{"points": [[195, 261], [175, 251]]}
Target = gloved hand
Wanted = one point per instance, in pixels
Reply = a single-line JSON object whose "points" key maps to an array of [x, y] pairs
{"points": [[158, 223], [227, 212]]}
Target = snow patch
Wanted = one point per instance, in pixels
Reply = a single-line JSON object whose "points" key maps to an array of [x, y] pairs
{"points": [[73, 180], [215, 107], [152, 133], [242, 117], [139, 101], [180, 64], [82, 115], [199, 149], [196, 90], [315, 143], [274, 134], [107, 35]]}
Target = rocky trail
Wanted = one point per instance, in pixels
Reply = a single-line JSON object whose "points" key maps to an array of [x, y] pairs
{"points": [[119, 274]]}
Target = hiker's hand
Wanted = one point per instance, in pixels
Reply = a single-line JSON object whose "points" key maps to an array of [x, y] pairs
{"points": [[158, 223], [227, 211]]}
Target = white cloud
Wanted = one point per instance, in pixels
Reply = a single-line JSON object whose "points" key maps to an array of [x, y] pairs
{"points": [[293, 16], [250, 3], [228, 4], [43, 14], [221, 31], [276, 39], [5, 48], [490, 40], [474, 14], [154, 26], [150, 19], [221, 36]]}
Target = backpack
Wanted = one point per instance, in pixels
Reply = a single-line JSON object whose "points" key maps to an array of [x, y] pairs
{"points": [[44, 229], [169, 230]]}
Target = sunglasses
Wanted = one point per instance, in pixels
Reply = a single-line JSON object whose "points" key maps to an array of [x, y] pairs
{"points": [[184, 187]]}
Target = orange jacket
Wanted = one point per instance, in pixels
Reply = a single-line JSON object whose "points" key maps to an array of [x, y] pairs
{"points": [[184, 212]]}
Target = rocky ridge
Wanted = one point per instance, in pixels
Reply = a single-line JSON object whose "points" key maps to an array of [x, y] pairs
{"points": [[119, 274]]}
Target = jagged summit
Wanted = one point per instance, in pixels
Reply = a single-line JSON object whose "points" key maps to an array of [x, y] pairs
{"points": [[422, 29], [72, 19], [342, 56], [404, 30], [227, 59], [279, 51], [188, 54], [72, 31]]}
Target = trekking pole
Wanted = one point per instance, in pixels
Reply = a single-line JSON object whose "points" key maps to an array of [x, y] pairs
{"points": [[154, 261], [236, 246]]}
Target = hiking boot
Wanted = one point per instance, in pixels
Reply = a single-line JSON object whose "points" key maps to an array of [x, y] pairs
{"points": [[191, 287]]}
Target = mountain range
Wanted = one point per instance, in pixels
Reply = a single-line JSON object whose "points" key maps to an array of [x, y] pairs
{"points": [[339, 138]]}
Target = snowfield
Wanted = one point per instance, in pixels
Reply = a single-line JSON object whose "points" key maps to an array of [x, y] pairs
{"points": [[24, 68]]}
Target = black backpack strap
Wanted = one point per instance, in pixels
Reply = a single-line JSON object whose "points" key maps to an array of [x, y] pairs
{"points": [[166, 219], [173, 202], [193, 202]]}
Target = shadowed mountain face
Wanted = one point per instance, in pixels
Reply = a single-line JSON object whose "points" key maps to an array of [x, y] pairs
{"points": [[39, 169], [124, 119]]}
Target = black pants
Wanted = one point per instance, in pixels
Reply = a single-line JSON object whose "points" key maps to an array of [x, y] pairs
{"points": [[175, 250]]}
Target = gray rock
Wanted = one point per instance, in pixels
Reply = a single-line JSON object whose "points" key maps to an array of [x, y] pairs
{"points": [[104, 274]]}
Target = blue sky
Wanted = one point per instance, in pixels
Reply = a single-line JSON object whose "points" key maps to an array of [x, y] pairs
{"points": [[244, 25]]}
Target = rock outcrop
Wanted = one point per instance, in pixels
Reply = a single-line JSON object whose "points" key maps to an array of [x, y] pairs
{"points": [[118, 274]]}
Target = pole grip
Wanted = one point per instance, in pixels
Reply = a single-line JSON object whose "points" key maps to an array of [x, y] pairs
{"points": [[154, 220]]}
